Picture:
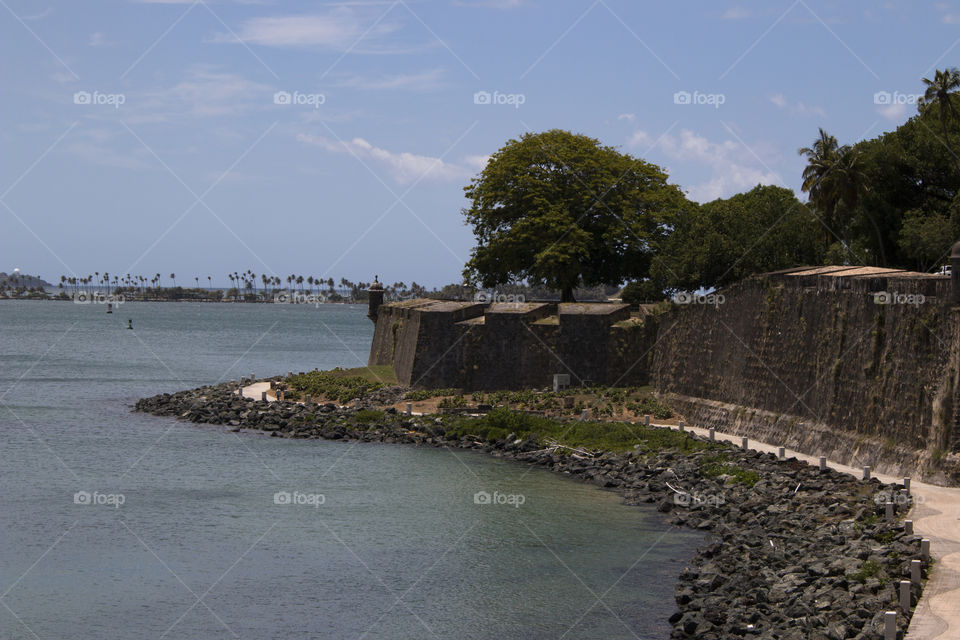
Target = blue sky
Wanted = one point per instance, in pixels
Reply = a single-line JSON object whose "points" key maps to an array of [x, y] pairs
{"points": [[334, 138]]}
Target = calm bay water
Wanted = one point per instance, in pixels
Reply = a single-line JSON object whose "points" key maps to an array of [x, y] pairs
{"points": [[199, 548]]}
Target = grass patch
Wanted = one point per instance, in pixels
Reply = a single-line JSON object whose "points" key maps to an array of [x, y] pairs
{"points": [[368, 415], [868, 569], [607, 436], [719, 464], [337, 385]]}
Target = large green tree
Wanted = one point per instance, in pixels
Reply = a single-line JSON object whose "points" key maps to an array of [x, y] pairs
{"points": [[562, 210], [764, 229]]}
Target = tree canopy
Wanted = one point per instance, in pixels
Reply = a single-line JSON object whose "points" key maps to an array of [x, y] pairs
{"points": [[726, 240], [560, 209]]}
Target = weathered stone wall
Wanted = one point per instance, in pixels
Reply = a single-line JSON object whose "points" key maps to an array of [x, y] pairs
{"points": [[808, 359], [508, 346], [816, 364]]}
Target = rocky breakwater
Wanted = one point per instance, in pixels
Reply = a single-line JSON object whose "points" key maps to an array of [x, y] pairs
{"points": [[792, 552]]}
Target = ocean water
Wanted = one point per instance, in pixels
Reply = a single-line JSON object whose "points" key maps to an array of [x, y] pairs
{"points": [[121, 525]]}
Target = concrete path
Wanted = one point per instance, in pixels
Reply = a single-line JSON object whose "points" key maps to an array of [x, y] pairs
{"points": [[936, 516], [255, 391]]}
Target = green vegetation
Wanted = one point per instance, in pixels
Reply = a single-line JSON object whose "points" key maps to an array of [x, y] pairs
{"points": [[534, 212], [418, 395], [595, 436], [719, 464], [337, 385], [706, 248], [868, 569]]}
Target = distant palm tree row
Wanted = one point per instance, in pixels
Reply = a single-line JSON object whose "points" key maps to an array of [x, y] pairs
{"points": [[245, 286]]}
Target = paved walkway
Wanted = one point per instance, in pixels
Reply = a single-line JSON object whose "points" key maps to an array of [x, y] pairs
{"points": [[255, 391], [937, 615]]}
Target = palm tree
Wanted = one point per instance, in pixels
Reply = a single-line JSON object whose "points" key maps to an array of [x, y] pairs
{"points": [[173, 278], [939, 92], [820, 179]]}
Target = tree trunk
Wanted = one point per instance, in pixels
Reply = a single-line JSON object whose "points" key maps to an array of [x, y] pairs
{"points": [[567, 295]]}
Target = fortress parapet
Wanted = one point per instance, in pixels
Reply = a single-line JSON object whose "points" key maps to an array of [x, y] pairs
{"points": [[505, 345]]}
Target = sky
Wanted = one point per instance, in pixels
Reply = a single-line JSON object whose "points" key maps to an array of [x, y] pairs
{"points": [[334, 139]]}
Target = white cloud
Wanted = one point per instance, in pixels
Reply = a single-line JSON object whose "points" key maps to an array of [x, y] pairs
{"points": [[737, 13], [493, 4], [478, 163], [338, 29], [733, 166], [950, 18], [423, 81], [896, 112], [629, 117], [796, 108], [207, 92], [39, 16], [97, 40], [403, 167]]}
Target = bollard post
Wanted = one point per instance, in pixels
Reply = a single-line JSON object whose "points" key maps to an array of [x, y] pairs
{"points": [[307, 399], [890, 625], [263, 396], [680, 424], [823, 463], [252, 377], [781, 453], [646, 420], [866, 473], [906, 485], [743, 443], [908, 527], [905, 596], [915, 566], [713, 435], [888, 511], [925, 549], [409, 408], [585, 415]]}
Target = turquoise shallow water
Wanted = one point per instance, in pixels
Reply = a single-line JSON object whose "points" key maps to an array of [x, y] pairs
{"points": [[387, 541]]}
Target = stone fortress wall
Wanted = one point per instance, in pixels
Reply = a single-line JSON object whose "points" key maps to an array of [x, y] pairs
{"points": [[855, 363]]}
